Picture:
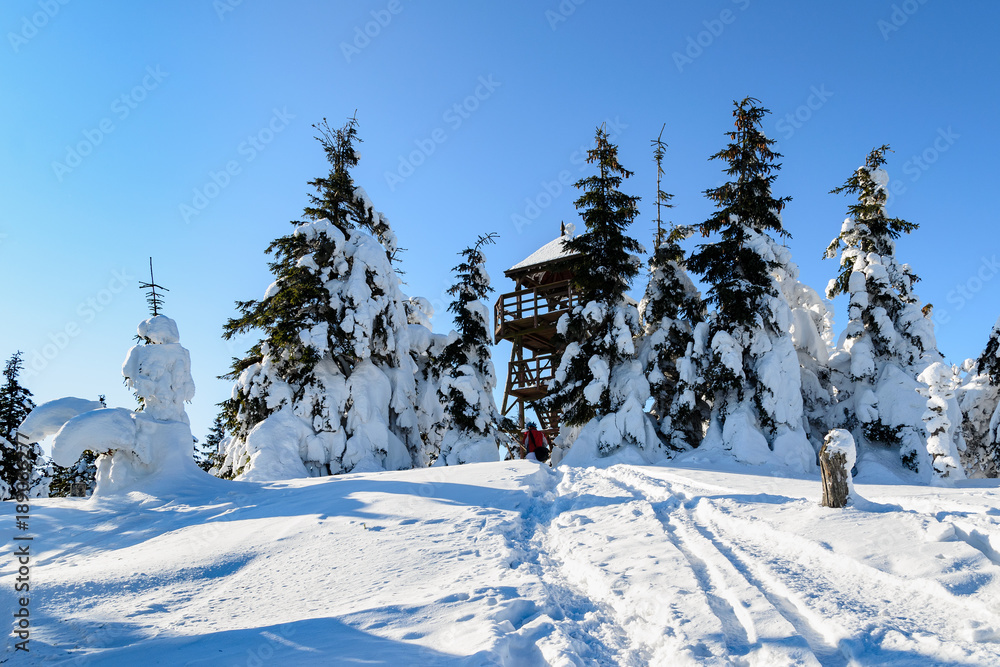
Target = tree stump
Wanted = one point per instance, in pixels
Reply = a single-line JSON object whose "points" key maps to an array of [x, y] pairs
{"points": [[836, 477]]}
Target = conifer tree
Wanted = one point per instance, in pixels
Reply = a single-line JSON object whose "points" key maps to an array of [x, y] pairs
{"points": [[670, 309], [468, 375], [942, 421], [889, 336], [426, 350], [979, 397], [751, 368], [15, 405], [599, 381], [82, 474], [207, 455], [333, 372], [989, 360]]}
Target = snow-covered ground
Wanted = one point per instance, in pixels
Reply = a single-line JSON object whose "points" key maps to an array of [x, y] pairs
{"points": [[516, 564]]}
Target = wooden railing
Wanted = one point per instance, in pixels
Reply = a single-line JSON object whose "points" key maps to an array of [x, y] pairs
{"points": [[534, 304], [532, 372]]}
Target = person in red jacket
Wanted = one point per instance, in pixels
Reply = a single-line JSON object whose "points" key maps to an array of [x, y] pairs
{"points": [[535, 444]]}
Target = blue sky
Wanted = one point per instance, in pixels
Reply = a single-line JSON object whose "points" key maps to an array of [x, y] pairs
{"points": [[183, 131]]}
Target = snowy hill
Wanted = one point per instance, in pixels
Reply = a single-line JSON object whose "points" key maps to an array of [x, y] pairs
{"points": [[516, 564]]}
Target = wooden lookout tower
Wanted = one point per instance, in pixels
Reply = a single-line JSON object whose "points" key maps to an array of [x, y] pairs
{"points": [[527, 318]]}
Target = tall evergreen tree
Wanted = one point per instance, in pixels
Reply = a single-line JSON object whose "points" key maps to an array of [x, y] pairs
{"points": [[889, 336], [468, 375], [333, 372], [670, 309], [15, 404], [751, 368], [599, 381]]}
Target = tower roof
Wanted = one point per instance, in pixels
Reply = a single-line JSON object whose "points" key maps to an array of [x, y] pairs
{"points": [[553, 251]]}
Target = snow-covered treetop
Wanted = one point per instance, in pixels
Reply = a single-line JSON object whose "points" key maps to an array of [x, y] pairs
{"points": [[158, 330], [160, 372]]}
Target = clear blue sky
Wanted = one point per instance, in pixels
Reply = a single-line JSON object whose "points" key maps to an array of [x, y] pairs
{"points": [[114, 114]]}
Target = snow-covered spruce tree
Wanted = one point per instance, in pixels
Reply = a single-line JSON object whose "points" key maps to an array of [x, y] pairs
{"points": [[812, 335], [207, 455], [889, 337], [599, 384], [670, 309], [468, 376], [942, 420], [426, 349], [82, 474], [751, 367], [15, 405], [150, 448], [331, 386], [979, 397]]}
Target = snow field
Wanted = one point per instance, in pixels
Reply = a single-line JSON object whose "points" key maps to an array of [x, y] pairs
{"points": [[514, 563]]}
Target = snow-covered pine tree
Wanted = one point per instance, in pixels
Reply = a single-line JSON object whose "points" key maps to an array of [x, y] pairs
{"points": [[331, 386], [468, 376], [979, 397], [812, 335], [989, 360], [670, 309], [942, 421], [82, 474], [600, 384], [15, 404], [207, 454], [889, 337], [751, 366], [426, 348]]}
